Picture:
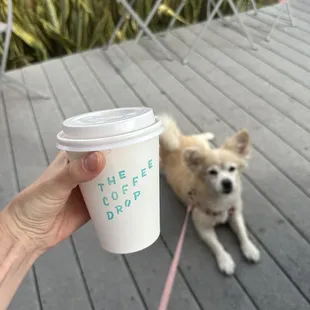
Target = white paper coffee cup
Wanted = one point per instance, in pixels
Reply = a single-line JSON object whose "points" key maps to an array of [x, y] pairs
{"points": [[123, 200]]}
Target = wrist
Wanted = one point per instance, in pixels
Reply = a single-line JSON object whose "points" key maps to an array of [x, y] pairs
{"points": [[16, 258], [18, 239]]}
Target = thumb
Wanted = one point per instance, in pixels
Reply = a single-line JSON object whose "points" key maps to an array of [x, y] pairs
{"points": [[79, 171]]}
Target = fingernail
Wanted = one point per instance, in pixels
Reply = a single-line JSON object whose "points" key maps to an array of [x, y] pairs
{"points": [[91, 162]]}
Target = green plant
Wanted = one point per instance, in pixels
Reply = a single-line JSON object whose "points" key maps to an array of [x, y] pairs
{"points": [[51, 28]]}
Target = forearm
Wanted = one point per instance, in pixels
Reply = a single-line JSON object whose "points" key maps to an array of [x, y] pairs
{"points": [[16, 258]]}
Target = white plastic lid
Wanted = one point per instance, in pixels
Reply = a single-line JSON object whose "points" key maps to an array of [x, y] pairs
{"points": [[107, 129]]}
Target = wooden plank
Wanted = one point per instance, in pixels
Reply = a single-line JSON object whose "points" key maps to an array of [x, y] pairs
{"points": [[258, 86], [87, 84], [265, 283], [304, 2], [107, 276], [30, 163], [195, 274], [254, 106], [270, 114], [9, 186], [303, 10], [112, 83], [294, 32], [285, 35], [188, 77], [237, 118], [26, 296], [278, 48], [284, 164], [142, 264], [280, 73], [300, 16], [118, 89], [301, 24], [259, 110], [281, 58]]}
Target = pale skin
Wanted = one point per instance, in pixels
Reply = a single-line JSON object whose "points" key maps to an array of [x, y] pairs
{"points": [[41, 216]]}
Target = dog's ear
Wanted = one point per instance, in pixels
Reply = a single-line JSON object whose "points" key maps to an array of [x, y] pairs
{"points": [[193, 157], [239, 144]]}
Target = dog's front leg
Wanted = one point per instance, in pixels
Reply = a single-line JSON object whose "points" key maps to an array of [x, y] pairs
{"points": [[223, 258], [248, 248], [208, 235]]}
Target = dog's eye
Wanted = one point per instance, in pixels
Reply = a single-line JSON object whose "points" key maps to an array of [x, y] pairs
{"points": [[213, 172], [232, 169]]}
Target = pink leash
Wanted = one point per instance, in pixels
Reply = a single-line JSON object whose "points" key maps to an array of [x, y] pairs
{"points": [[174, 265]]}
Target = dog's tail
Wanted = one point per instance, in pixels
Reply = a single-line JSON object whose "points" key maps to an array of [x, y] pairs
{"points": [[170, 138]]}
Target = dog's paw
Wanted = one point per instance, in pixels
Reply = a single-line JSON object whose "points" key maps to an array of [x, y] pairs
{"points": [[251, 252], [226, 263], [208, 136]]}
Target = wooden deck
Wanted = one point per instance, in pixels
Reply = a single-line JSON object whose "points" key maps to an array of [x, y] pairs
{"points": [[226, 86]]}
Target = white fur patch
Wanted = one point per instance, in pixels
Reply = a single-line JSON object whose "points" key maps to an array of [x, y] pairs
{"points": [[170, 138]]}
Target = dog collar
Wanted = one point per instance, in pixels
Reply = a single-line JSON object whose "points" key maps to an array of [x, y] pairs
{"points": [[191, 193], [231, 212]]}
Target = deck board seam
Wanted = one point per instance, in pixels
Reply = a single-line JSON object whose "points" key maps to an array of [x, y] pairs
{"points": [[282, 45], [18, 187], [247, 88], [52, 91], [80, 268], [298, 18], [262, 153], [294, 7], [126, 264], [293, 120], [186, 116], [248, 178], [248, 112], [230, 126], [257, 148], [123, 258], [74, 84], [254, 234], [235, 102], [168, 250], [135, 282], [306, 33], [285, 74], [299, 8], [71, 241], [102, 86], [285, 273], [275, 38], [254, 94], [256, 55], [280, 28], [299, 27], [181, 274], [47, 163], [304, 3]]}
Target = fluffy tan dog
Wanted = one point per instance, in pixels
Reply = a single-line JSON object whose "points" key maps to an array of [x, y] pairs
{"points": [[211, 180]]}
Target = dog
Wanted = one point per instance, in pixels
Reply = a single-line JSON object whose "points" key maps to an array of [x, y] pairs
{"points": [[209, 179]]}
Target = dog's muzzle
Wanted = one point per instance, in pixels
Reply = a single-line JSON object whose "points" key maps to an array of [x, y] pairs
{"points": [[227, 186]]}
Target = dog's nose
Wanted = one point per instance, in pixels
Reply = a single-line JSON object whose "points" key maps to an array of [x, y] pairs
{"points": [[227, 186]]}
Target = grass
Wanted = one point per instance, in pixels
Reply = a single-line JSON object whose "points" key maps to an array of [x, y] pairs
{"points": [[50, 28]]}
